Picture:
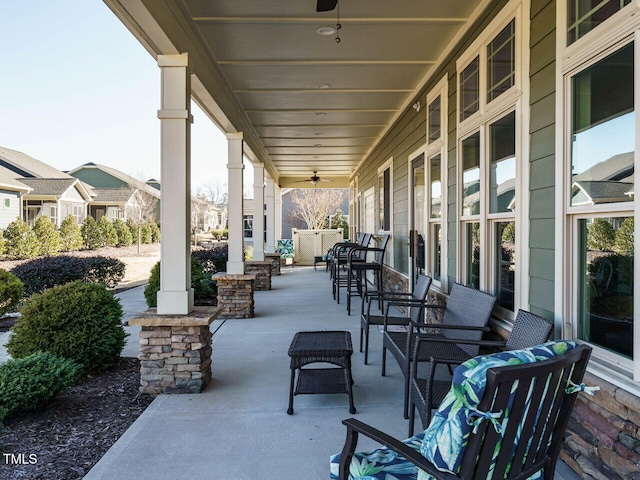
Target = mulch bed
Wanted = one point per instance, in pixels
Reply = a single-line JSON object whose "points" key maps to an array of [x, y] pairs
{"points": [[65, 439]]}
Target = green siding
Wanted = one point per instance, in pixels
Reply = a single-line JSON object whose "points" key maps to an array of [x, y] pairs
{"points": [[99, 179]]}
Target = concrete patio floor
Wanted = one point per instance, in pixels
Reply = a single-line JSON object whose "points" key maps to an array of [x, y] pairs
{"points": [[238, 427]]}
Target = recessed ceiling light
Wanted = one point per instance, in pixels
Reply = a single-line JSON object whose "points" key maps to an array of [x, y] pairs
{"points": [[323, 85], [326, 31]]}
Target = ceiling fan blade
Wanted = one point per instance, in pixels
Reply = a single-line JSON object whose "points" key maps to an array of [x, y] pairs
{"points": [[326, 5]]}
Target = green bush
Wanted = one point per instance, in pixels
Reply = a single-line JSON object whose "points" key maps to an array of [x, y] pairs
{"points": [[108, 231], [145, 233], [70, 235], [91, 234], [48, 236], [41, 273], [11, 289], [155, 232], [134, 229], [79, 320], [509, 233], [20, 241], [2, 243], [123, 232], [220, 233], [201, 282], [624, 237], [214, 259], [601, 235], [29, 383], [339, 220]]}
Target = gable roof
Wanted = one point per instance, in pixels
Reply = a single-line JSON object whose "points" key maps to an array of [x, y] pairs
{"points": [[128, 179], [9, 182], [604, 191], [112, 195], [54, 186], [25, 166]]}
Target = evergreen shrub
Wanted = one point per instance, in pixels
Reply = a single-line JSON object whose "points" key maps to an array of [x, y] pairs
{"points": [[11, 289], [48, 236], [91, 234], [70, 235], [201, 282], [123, 232], [108, 231], [20, 241]]}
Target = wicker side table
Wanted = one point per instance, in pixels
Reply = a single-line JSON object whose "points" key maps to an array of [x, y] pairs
{"points": [[332, 347]]}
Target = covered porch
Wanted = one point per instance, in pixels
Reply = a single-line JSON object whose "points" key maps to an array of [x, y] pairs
{"points": [[238, 427]]}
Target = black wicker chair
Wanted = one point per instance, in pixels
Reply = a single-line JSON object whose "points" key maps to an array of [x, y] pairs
{"points": [[547, 385], [358, 265], [339, 257], [415, 301], [465, 318], [427, 393]]}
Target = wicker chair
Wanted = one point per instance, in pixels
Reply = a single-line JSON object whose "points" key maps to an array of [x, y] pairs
{"points": [[465, 317], [358, 265], [427, 393], [339, 257], [415, 301], [513, 429]]}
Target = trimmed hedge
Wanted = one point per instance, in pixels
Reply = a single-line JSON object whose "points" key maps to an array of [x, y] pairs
{"points": [[20, 241], [29, 383], [79, 320], [47, 272], [213, 260], [70, 234], [48, 236], [11, 289], [203, 286], [91, 234]]}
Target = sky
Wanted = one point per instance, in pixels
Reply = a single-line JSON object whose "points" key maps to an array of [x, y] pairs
{"points": [[77, 87]]}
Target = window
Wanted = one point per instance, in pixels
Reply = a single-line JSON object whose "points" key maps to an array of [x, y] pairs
{"points": [[7, 202], [585, 15], [471, 175], [435, 217], [53, 214], [247, 222], [470, 89], [384, 190], [501, 69], [434, 119]]}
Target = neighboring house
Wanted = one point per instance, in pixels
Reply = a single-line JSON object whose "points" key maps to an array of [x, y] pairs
{"points": [[50, 191], [206, 215], [247, 219], [113, 203], [11, 192], [103, 178]]}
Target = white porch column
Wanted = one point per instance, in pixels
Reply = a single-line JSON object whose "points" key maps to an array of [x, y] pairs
{"points": [[175, 295], [258, 211], [270, 200], [278, 212], [235, 264]]}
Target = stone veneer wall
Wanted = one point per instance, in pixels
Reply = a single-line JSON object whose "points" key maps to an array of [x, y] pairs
{"points": [[275, 261], [262, 271], [235, 295]]}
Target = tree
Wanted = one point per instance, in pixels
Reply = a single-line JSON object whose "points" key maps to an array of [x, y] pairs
{"points": [[601, 235], [313, 206], [70, 234], [144, 212], [20, 241], [624, 237], [124, 233], [2, 244], [199, 207], [48, 236], [109, 233], [91, 234], [339, 220], [217, 192]]}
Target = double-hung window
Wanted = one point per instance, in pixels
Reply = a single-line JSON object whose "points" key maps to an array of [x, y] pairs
{"points": [[490, 107]]}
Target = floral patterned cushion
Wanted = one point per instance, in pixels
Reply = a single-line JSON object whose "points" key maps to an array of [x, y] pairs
{"points": [[446, 438], [285, 247], [381, 464]]}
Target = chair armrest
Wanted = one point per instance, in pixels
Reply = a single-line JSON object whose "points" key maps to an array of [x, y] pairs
{"points": [[439, 326], [423, 337], [354, 427]]}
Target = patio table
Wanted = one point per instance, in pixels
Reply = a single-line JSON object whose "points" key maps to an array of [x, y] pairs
{"points": [[333, 347]]}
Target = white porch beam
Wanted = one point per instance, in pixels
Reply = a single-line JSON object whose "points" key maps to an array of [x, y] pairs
{"points": [[270, 200], [235, 264], [258, 211], [175, 295]]}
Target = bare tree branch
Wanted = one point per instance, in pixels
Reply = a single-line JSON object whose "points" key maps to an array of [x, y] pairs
{"points": [[313, 206]]}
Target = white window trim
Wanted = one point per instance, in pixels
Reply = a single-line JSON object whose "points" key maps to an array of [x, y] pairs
{"points": [[614, 33], [412, 157], [389, 255]]}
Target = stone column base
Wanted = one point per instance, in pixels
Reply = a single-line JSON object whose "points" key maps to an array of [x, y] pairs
{"points": [[175, 351], [262, 271], [235, 295], [275, 259]]}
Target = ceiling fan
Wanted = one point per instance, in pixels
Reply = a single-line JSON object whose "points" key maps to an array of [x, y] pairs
{"points": [[326, 5], [314, 179]]}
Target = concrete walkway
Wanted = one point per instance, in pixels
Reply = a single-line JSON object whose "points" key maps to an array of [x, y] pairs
{"points": [[238, 427]]}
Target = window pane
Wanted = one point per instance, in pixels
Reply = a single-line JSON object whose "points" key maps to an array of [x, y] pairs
{"points": [[436, 187], [585, 15], [434, 120], [605, 301], [436, 252], [502, 174], [470, 89], [501, 62], [384, 188], [603, 131], [505, 243], [471, 175], [418, 217], [472, 254]]}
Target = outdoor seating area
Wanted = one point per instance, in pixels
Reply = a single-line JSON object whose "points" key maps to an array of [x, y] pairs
{"points": [[239, 425]]}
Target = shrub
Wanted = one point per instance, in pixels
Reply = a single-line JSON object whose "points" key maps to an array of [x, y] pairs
{"points": [[624, 237], [10, 291], [48, 236], [2, 243], [220, 233], [203, 286], [108, 231], [47, 272], [70, 235], [20, 241], [123, 232], [79, 320], [601, 235], [145, 233], [509, 233], [29, 383], [213, 260], [155, 232], [91, 234], [134, 229]]}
